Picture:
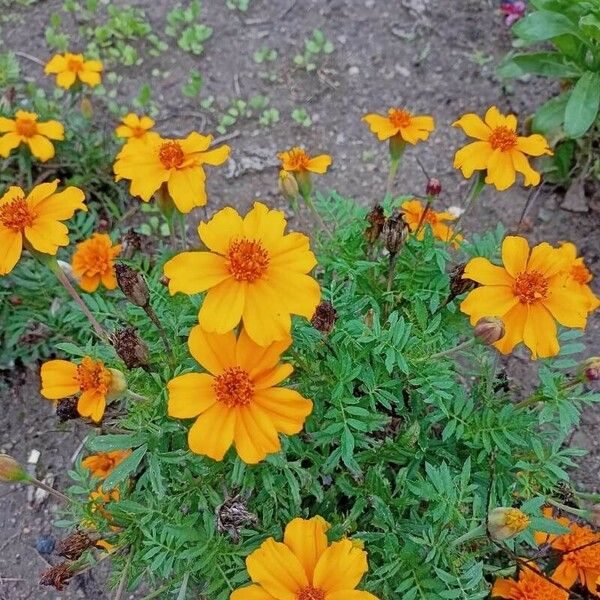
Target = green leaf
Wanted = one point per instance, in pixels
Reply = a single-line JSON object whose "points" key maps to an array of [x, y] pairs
{"points": [[105, 443], [551, 115], [124, 469], [543, 25], [546, 64], [69, 348], [590, 25], [582, 107]]}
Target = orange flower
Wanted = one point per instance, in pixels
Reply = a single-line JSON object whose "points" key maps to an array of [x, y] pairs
{"points": [[153, 161], [298, 161], [413, 215], [305, 566], [70, 67], [134, 127], [530, 586], [237, 401], [498, 149], [91, 379], [93, 262], [253, 273], [529, 293], [400, 124], [579, 275], [25, 129], [580, 553], [101, 464], [35, 220]]}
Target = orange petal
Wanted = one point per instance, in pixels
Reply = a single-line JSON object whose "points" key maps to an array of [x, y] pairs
{"points": [[212, 433], [59, 379], [340, 567], [190, 395], [195, 272], [287, 409], [515, 254], [214, 351], [307, 539]]}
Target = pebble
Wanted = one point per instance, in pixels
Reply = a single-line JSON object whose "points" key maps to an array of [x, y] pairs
{"points": [[353, 70], [45, 544]]}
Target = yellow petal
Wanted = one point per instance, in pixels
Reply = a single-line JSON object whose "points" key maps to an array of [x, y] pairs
{"points": [[258, 360], [277, 570], [254, 436], [59, 379], [340, 567], [52, 129], [483, 271], [11, 246], [46, 235], [195, 142], [190, 395], [514, 325], [292, 252], [251, 592], [515, 254], [413, 135], [287, 409], [265, 225], [351, 595], [58, 207], [215, 157], [488, 301], [423, 122], [195, 272], [521, 165], [91, 78], [307, 539], [500, 170], [41, 147], [223, 306], [381, 126], [273, 377], [65, 79], [7, 125], [93, 65], [472, 157], [56, 64], [41, 192], [214, 351], [547, 260], [473, 126], [91, 404], [319, 164], [8, 143], [539, 334], [300, 294], [186, 188], [494, 118], [534, 145], [567, 307], [212, 433], [217, 233]]}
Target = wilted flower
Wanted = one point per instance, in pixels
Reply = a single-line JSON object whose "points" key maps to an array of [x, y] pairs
{"points": [[25, 129], [74, 545], [376, 220], [70, 67], [57, 576], [133, 285], [458, 283], [395, 232], [232, 515], [133, 126], [489, 330], [66, 409], [504, 523], [325, 317], [131, 243], [93, 262], [130, 347]]}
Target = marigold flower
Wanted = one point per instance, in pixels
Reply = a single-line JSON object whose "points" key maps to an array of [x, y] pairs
{"points": [[25, 129], [102, 464], [133, 126], [236, 401], [178, 163], [305, 566], [93, 262], [296, 160], [506, 522], [35, 220], [70, 67], [499, 150], [528, 293], [253, 273], [415, 216], [530, 586], [579, 275], [90, 378], [580, 553], [401, 124]]}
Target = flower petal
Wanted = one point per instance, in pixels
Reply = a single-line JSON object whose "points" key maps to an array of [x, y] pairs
{"points": [[186, 188], [494, 118], [299, 293], [223, 306], [56, 64], [293, 252], [319, 164], [500, 170], [59, 379], [195, 272], [534, 145], [539, 334], [514, 325], [275, 376], [52, 129], [65, 79], [47, 235], [11, 246], [307, 539], [381, 126], [258, 360], [224, 227], [93, 65], [190, 395], [214, 351], [212, 433], [473, 126], [57, 207], [483, 271], [472, 157], [567, 307], [255, 436], [92, 404], [515, 254], [351, 595], [287, 408], [195, 142], [521, 165], [7, 125], [91, 78], [340, 567], [488, 301], [547, 260], [265, 225], [251, 592], [215, 157], [505, 588]]}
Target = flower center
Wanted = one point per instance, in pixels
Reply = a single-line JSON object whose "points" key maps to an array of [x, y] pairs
{"points": [[91, 375], [138, 132], [503, 138], [298, 159], [430, 217], [399, 117], [247, 260], [26, 127], [516, 520], [311, 593], [74, 65], [581, 274], [171, 155], [531, 287], [16, 215], [233, 387]]}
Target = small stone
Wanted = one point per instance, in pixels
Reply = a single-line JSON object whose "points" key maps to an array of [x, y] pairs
{"points": [[45, 544], [353, 71]]}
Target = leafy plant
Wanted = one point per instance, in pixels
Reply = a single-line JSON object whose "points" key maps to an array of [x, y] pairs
{"points": [[314, 47], [181, 23], [301, 116], [241, 5], [193, 87]]}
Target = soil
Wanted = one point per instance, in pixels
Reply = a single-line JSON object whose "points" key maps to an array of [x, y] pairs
{"points": [[431, 56]]}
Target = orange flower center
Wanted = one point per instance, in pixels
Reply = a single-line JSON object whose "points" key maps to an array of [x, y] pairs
{"points": [[516, 520], [138, 132], [233, 387], [581, 274], [531, 287], [16, 215], [26, 127], [91, 375], [503, 138], [430, 217], [297, 160], [247, 260], [171, 155], [75, 65], [399, 117], [311, 593]]}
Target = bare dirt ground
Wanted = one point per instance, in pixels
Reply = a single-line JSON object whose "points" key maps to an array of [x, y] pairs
{"points": [[432, 56]]}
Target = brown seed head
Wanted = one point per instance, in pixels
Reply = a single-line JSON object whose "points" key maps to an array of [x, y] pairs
{"points": [[74, 545], [376, 220], [131, 243], [66, 410], [133, 285], [232, 515], [325, 317], [130, 347], [458, 284], [57, 576], [395, 231]]}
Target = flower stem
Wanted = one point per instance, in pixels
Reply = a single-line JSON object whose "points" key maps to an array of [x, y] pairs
{"points": [[161, 330], [569, 509], [537, 397], [479, 532], [394, 164], [47, 488], [450, 351], [313, 209], [183, 225], [474, 192]]}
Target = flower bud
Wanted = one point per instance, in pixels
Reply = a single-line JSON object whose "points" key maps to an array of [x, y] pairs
{"points": [[325, 317], [66, 410], [87, 109], [130, 348], [591, 368], [74, 545], [376, 220], [395, 232], [57, 576], [118, 383], [164, 280], [458, 283], [505, 523], [489, 330], [133, 285], [131, 243], [11, 470], [288, 186], [434, 187]]}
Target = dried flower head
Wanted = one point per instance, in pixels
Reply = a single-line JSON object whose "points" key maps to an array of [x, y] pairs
{"points": [[133, 285], [57, 576], [395, 231], [74, 545], [130, 347], [131, 243], [325, 317], [459, 284], [232, 516], [376, 220], [66, 409]]}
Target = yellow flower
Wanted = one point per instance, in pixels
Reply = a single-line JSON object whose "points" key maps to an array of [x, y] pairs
{"points": [[102, 464], [296, 160], [499, 149], [236, 401], [70, 67], [579, 276], [505, 522], [413, 215], [529, 293], [25, 129], [93, 262], [530, 586], [252, 272], [305, 566], [133, 126], [154, 161], [35, 220], [91, 379], [400, 124]]}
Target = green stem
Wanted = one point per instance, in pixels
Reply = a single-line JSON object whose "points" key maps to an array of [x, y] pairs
{"points": [[394, 164], [313, 209], [183, 225], [47, 488], [161, 330], [477, 187], [538, 397], [569, 509], [450, 351], [479, 532]]}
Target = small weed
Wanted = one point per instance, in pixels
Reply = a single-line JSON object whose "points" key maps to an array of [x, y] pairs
{"points": [[314, 47], [193, 87], [183, 23], [301, 116], [241, 5]]}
